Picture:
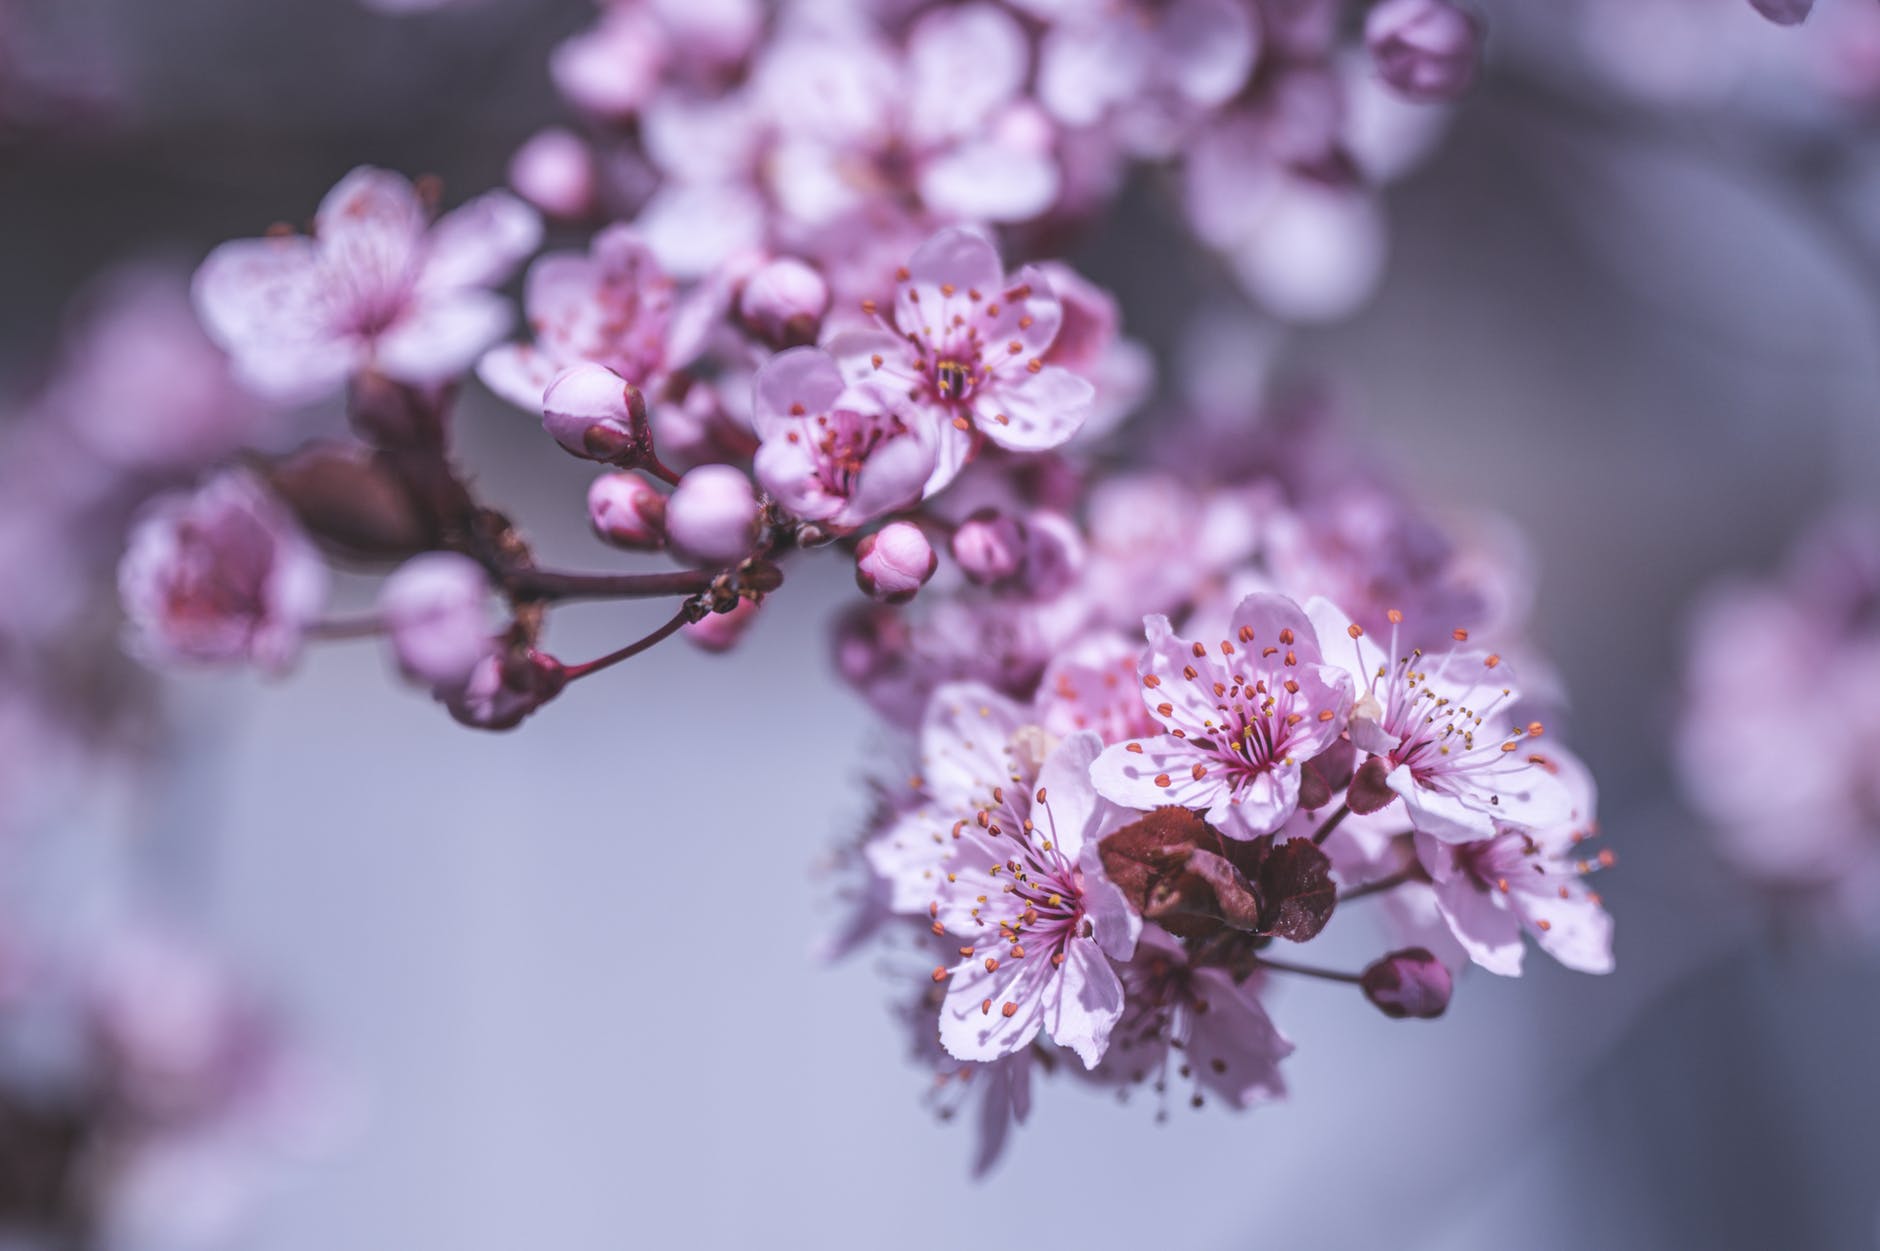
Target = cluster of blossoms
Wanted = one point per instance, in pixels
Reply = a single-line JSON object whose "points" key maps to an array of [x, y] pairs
{"points": [[845, 132], [1177, 689], [1145, 765], [1805, 827]]}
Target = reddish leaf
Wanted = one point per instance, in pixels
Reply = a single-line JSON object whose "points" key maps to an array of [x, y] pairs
{"points": [[1368, 792]]}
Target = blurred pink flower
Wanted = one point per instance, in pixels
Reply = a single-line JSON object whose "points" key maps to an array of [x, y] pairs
{"points": [[374, 287], [611, 307], [221, 574]]}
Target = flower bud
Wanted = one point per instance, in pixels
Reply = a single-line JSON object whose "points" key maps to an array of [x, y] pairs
{"points": [[784, 302], [1054, 554], [1408, 983], [627, 511], [1783, 12], [721, 631], [595, 413], [436, 610], [1426, 49], [505, 687], [555, 172], [870, 645], [894, 562], [989, 546], [711, 516]]}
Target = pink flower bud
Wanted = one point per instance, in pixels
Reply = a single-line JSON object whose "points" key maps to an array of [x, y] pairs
{"points": [[1054, 554], [595, 413], [1408, 983], [436, 610], [555, 172], [989, 546], [505, 687], [627, 511], [721, 631], [1426, 49], [894, 562], [711, 516], [784, 302]]}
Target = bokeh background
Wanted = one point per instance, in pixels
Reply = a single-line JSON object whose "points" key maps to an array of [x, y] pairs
{"points": [[569, 973]]}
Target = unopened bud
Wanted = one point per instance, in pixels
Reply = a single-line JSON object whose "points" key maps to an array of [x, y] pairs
{"points": [[505, 687], [1054, 554], [1426, 49], [989, 546], [627, 511], [1408, 983], [712, 515], [595, 413], [1784, 12], [436, 610], [894, 562], [784, 302], [555, 172]]}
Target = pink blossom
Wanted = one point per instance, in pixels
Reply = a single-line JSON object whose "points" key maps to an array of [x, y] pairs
{"points": [[1184, 1020], [611, 307], [894, 562], [1440, 735], [1094, 686], [1021, 885], [964, 348], [220, 575], [830, 452], [374, 287], [1492, 890], [1144, 70], [140, 382], [1240, 718], [945, 122], [712, 516], [437, 612]]}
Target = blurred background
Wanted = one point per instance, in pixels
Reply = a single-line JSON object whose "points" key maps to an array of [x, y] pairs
{"points": [[566, 977]]}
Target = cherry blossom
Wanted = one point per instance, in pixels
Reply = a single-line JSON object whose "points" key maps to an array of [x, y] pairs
{"points": [[963, 347], [221, 575], [1441, 737], [1240, 717], [375, 286]]}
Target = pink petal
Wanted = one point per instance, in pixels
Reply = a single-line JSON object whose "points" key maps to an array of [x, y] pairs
{"points": [[481, 243], [1040, 411]]}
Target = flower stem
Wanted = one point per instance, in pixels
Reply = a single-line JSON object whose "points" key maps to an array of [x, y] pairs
{"points": [[1331, 823], [547, 584], [346, 628], [1327, 975], [630, 650], [1407, 874]]}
